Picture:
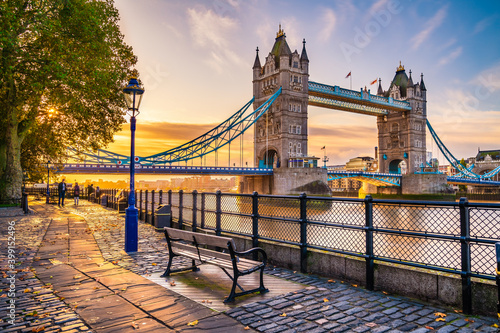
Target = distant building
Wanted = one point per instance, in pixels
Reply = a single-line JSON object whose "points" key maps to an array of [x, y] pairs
{"points": [[486, 161]]}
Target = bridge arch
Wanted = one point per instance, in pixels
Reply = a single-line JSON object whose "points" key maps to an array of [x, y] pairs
{"points": [[397, 166], [269, 158]]}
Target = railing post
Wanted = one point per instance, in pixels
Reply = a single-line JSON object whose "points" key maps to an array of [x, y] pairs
{"points": [[218, 213], [255, 222], [153, 207], [202, 210], [497, 248], [195, 215], [146, 208], [303, 233], [140, 205], [370, 267], [160, 198], [466, 259], [181, 194], [170, 197]]}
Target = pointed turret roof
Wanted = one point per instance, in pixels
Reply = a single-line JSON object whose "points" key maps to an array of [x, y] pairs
{"points": [[303, 55], [410, 80], [380, 91], [400, 80], [256, 63], [280, 47], [422, 85]]}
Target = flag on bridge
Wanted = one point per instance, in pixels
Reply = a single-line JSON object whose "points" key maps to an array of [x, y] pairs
{"points": [[348, 75], [373, 82]]}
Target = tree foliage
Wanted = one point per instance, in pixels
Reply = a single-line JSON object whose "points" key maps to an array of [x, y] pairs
{"points": [[63, 64]]}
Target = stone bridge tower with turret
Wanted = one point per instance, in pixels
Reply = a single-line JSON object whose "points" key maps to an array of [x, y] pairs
{"points": [[401, 135], [281, 133]]}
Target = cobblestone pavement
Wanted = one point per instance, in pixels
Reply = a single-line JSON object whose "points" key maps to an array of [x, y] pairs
{"points": [[36, 308], [323, 306]]}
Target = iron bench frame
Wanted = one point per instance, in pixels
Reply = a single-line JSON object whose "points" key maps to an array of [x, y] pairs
{"points": [[192, 245]]}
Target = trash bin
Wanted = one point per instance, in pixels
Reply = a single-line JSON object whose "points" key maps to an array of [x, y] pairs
{"points": [[163, 217], [104, 200], [122, 204]]}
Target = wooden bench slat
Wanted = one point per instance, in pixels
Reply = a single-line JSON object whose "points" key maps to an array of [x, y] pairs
{"points": [[193, 245]]}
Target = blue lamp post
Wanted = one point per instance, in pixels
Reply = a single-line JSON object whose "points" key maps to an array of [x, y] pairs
{"points": [[133, 95], [48, 183]]}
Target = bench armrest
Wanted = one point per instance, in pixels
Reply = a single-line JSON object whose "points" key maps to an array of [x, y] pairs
{"points": [[252, 250]]}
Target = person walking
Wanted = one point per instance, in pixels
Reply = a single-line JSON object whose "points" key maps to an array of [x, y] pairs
{"points": [[62, 192], [76, 193]]}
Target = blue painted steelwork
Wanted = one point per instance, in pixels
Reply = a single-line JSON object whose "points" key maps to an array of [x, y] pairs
{"points": [[455, 163], [101, 156], [354, 101], [375, 178], [211, 141], [388, 179], [162, 169], [464, 181]]}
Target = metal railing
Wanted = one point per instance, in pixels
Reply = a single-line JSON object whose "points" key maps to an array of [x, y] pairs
{"points": [[451, 237]]}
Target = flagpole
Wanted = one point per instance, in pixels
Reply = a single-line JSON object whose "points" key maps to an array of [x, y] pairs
{"points": [[350, 80]]}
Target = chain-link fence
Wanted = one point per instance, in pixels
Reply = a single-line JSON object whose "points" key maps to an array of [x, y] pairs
{"points": [[451, 237]]}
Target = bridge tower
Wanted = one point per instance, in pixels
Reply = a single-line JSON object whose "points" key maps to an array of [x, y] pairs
{"points": [[282, 132], [401, 135]]}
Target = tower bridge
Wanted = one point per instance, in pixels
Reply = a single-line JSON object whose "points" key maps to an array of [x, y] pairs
{"points": [[282, 93]]}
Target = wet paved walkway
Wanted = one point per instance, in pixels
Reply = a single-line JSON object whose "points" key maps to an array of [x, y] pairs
{"points": [[72, 275]]}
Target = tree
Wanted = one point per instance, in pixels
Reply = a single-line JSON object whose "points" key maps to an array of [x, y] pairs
{"points": [[66, 56]]}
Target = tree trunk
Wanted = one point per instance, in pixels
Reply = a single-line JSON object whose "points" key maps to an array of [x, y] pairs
{"points": [[12, 176]]}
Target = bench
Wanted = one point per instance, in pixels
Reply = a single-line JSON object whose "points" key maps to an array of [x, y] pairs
{"points": [[193, 245]]}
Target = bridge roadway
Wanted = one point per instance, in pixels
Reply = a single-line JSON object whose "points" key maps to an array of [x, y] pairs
{"points": [[375, 178], [163, 169]]}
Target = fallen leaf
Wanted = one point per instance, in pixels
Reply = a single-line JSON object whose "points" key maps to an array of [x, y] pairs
{"points": [[135, 326], [440, 319], [429, 328], [354, 285], [326, 300], [27, 290], [172, 283], [38, 329], [193, 323], [385, 292], [440, 314], [331, 281], [494, 325], [124, 289], [469, 320], [246, 328], [77, 276], [154, 264], [371, 324], [283, 315]]}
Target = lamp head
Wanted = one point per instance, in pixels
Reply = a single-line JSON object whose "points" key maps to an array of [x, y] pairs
{"points": [[133, 95]]}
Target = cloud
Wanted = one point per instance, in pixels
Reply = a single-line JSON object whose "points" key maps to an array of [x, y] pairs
{"points": [[450, 57], [488, 80], [329, 21], [213, 32], [377, 6], [430, 25], [483, 24]]}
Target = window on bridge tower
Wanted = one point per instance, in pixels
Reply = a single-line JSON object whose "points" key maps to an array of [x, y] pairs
{"points": [[295, 64]]}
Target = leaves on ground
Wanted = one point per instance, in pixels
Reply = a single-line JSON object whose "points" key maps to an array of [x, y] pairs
{"points": [[326, 300], [283, 315], [429, 328], [246, 328], [371, 324], [440, 314], [193, 323], [440, 319], [38, 329], [172, 283]]}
